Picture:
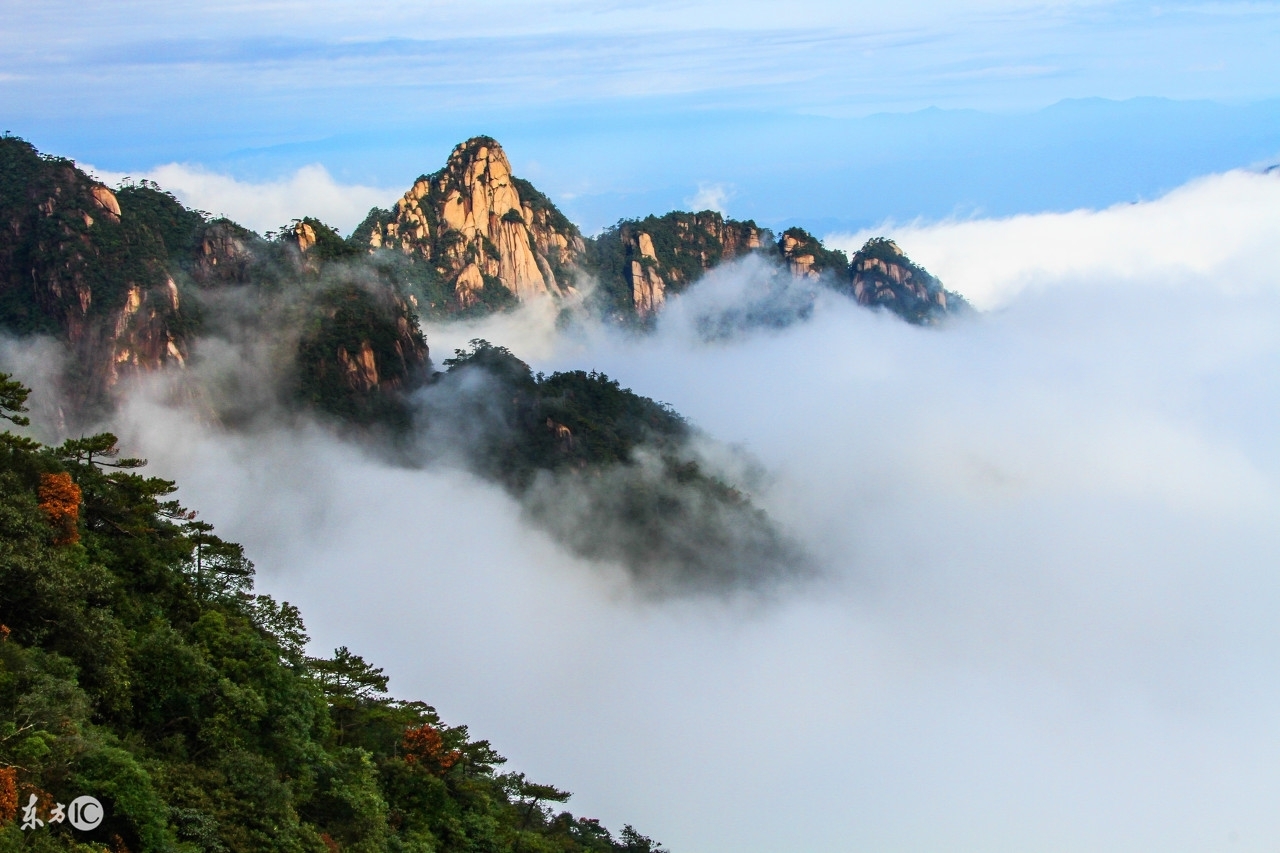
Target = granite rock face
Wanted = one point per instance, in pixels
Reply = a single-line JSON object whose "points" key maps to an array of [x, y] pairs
{"points": [[481, 227], [883, 275], [76, 265]]}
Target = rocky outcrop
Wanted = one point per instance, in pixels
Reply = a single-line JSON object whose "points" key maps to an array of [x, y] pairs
{"points": [[639, 262], [77, 264], [480, 226], [304, 236], [799, 262], [359, 349], [468, 286], [882, 274], [224, 254], [806, 257], [648, 289], [361, 370], [106, 200]]}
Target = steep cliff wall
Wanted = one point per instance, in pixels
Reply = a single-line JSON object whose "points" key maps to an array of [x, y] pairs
{"points": [[128, 280], [86, 266], [481, 228], [638, 262]]}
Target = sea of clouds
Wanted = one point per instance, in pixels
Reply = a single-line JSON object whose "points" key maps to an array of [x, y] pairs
{"points": [[1046, 612]]}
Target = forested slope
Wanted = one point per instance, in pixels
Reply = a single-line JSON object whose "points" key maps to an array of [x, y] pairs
{"points": [[138, 666]]}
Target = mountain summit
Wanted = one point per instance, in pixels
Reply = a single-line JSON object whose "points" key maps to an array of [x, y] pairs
{"points": [[131, 280], [481, 228]]}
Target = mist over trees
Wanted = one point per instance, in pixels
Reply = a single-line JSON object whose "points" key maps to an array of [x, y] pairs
{"points": [[137, 665]]}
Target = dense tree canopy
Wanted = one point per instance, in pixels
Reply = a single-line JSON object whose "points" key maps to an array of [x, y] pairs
{"points": [[138, 666]]}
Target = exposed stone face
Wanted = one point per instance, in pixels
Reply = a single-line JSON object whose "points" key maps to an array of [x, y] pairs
{"points": [[807, 258], [82, 270], [873, 276], [468, 286], [645, 244], [106, 199], [469, 219], [224, 255], [361, 370], [884, 275], [140, 339], [662, 255], [305, 235], [648, 290]]}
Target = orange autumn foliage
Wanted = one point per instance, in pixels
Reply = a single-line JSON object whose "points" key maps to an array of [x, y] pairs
{"points": [[8, 794], [424, 745], [60, 502], [329, 843]]}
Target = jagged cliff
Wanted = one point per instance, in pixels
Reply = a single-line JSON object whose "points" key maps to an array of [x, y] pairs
{"points": [[639, 261], [884, 275], [481, 229], [128, 280], [85, 265], [806, 257]]}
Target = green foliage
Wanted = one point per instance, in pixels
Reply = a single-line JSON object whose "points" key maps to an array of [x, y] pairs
{"points": [[540, 203], [357, 340], [685, 244], [609, 473], [163, 214], [137, 665], [330, 245], [13, 398], [374, 220], [57, 231], [605, 421], [826, 260]]}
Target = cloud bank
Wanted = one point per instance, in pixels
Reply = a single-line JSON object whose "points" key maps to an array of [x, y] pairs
{"points": [[1220, 226], [263, 206], [1047, 620]]}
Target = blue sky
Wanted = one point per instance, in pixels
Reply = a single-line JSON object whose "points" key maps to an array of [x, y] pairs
{"points": [[835, 115]]}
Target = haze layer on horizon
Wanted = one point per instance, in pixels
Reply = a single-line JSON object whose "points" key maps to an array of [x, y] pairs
{"points": [[834, 115]]}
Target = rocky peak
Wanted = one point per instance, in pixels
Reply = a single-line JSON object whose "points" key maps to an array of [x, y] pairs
{"points": [[224, 254], [481, 227], [639, 261], [304, 235], [78, 264], [806, 257], [884, 275]]}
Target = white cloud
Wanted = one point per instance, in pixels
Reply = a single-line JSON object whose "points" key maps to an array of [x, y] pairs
{"points": [[1049, 616], [1225, 226], [710, 197], [310, 191]]}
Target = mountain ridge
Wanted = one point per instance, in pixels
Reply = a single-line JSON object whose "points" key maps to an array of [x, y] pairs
{"points": [[119, 275], [312, 325]]}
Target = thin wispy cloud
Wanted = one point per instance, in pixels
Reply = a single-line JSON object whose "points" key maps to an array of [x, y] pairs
{"points": [[710, 197]]}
